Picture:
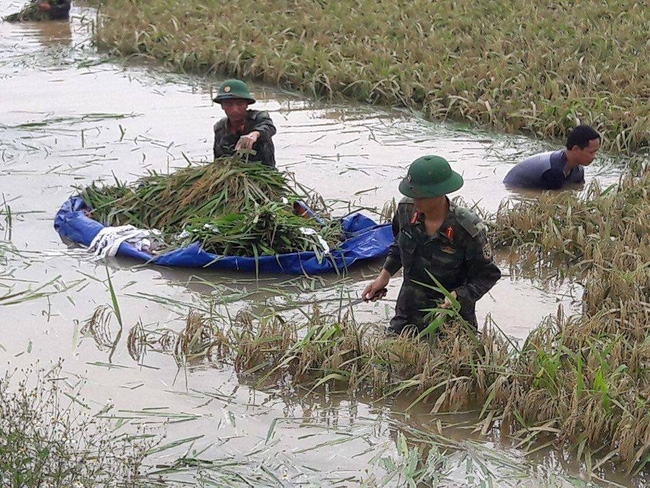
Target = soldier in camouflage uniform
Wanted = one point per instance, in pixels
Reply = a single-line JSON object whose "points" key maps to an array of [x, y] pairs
{"points": [[433, 235], [243, 128]]}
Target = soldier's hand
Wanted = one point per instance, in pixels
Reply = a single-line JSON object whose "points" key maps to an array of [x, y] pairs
{"points": [[377, 289], [370, 294], [247, 141], [447, 302], [373, 296]]}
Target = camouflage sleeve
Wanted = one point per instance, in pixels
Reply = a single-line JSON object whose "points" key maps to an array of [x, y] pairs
{"points": [[218, 147], [393, 261], [482, 273], [264, 125]]}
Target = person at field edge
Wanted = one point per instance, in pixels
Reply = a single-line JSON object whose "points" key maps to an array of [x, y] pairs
{"points": [[56, 9], [243, 128], [42, 10], [434, 236], [552, 170]]}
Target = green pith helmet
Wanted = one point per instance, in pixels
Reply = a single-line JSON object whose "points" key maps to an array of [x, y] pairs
{"points": [[430, 176], [231, 89]]}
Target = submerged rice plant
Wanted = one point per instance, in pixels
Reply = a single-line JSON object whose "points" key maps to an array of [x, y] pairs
{"points": [[452, 370], [584, 379], [48, 438], [5, 213], [577, 384]]}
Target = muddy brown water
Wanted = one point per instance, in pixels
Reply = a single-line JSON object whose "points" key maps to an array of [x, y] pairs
{"points": [[69, 118]]}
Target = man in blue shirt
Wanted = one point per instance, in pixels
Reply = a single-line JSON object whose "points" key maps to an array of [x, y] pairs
{"points": [[552, 170]]}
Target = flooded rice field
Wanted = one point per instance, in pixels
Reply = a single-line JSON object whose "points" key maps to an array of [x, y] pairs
{"points": [[71, 117]]}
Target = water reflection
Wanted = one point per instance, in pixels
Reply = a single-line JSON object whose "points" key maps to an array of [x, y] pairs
{"points": [[51, 35]]}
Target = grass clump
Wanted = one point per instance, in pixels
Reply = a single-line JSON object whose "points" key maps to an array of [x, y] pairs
{"points": [[585, 379], [30, 12], [541, 73], [578, 384], [46, 441], [230, 207], [455, 369]]}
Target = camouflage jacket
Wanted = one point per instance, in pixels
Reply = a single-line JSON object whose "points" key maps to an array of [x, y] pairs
{"points": [[458, 255], [224, 142]]}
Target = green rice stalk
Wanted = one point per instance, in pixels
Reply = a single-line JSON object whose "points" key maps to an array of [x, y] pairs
{"points": [[231, 208]]}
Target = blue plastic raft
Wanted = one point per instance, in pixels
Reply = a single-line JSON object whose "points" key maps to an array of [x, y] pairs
{"points": [[362, 239]]}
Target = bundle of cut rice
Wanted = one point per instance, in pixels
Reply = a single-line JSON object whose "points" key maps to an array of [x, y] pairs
{"points": [[231, 207]]}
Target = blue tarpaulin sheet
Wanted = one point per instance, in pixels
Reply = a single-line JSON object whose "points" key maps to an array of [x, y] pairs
{"points": [[362, 239]]}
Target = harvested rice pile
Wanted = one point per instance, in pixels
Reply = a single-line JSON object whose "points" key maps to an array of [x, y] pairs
{"points": [[232, 208]]}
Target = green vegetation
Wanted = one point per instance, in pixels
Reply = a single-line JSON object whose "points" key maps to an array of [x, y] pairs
{"points": [[30, 12], [586, 378], [230, 207], [523, 66], [48, 437]]}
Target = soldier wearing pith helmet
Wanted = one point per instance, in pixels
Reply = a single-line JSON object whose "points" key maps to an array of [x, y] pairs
{"points": [[434, 237], [243, 128]]}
